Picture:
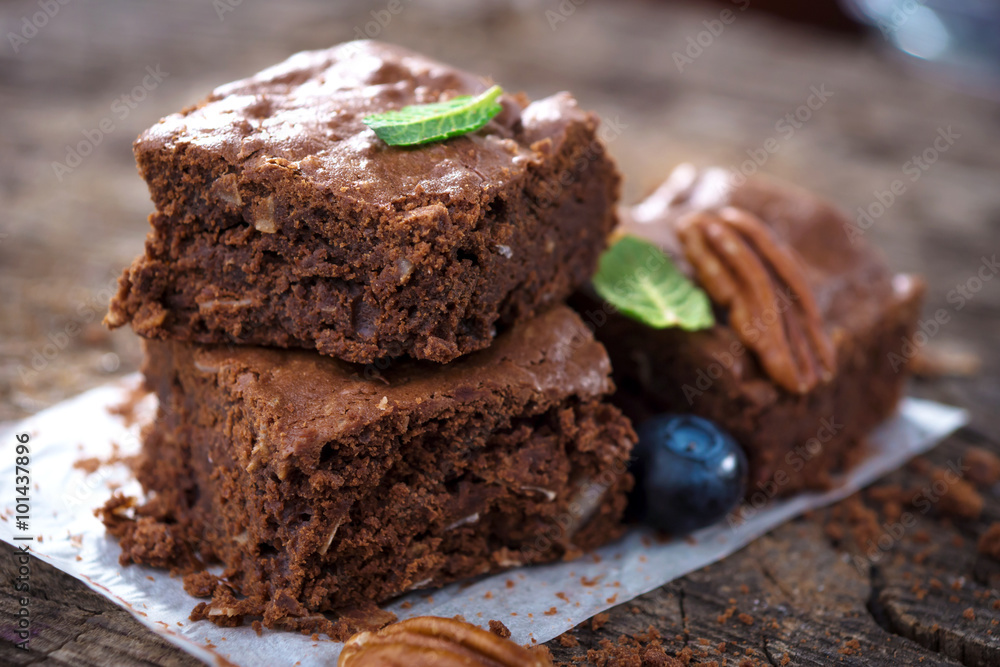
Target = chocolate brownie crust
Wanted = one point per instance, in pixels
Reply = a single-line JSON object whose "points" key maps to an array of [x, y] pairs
{"points": [[323, 491], [282, 220]]}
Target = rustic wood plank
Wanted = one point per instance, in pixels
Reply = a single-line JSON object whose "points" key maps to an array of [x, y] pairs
{"points": [[807, 587], [71, 625]]}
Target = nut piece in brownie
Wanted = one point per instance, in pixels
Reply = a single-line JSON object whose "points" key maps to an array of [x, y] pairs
{"points": [[323, 491], [803, 360], [282, 220]]}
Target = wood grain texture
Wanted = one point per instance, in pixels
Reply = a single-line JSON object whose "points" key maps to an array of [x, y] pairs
{"points": [[806, 591]]}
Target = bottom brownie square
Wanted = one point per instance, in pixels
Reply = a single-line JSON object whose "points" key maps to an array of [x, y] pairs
{"points": [[322, 490]]}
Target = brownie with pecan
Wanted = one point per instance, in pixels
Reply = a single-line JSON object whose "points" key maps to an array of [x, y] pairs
{"points": [[322, 490], [282, 220], [805, 358]]}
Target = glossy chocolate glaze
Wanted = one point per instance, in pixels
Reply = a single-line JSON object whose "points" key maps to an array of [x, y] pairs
{"points": [[303, 117]]}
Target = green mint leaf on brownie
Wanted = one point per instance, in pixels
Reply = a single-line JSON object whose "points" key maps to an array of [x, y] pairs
{"points": [[642, 282], [424, 123]]}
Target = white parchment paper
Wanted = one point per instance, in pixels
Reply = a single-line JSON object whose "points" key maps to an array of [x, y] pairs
{"points": [[537, 602]]}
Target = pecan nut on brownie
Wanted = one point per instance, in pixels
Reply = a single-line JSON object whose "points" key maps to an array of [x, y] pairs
{"points": [[805, 357], [282, 220], [320, 490]]}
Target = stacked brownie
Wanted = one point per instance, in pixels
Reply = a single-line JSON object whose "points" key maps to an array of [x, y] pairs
{"points": [[368, 383], [283, 220]]}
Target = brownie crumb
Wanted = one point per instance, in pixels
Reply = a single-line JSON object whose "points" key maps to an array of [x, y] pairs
{"points": [[599, 622], [127, 408], [117, 514], [655, 656], [641, 649], [984, 466], [863, 521], [961, 500], [726, 615], [745, 619], [834, 531], [852, 647], [200, 584], [88, 465], [628, 654], [969, 614], [499, 629], [566, 640], [989, 542], [552, 611]]}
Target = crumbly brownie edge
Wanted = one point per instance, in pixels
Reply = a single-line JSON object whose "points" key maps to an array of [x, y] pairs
{"points": [[269, 531], [435, 290]]}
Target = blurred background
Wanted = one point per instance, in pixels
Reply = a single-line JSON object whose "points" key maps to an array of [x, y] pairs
{"points": [[857, 94]]}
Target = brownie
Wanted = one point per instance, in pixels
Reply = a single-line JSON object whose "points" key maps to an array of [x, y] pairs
{"points": [[800, 383], [282, 220], [322, 491]]}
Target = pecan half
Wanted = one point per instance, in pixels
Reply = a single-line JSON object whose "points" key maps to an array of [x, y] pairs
{"points": [[762, 282], [442, 642]]}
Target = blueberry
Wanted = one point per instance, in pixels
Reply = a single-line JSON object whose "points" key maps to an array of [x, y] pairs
{"points": [[689, 473]]}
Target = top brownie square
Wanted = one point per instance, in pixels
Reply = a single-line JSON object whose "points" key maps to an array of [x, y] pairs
{"points": [[281, 219]]}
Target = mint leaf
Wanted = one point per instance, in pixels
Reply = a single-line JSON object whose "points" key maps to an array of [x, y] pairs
{"points": [[424, 123], [642, 282]]}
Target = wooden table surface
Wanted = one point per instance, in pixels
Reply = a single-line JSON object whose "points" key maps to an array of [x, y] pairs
{"points": [[807, 591]]}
